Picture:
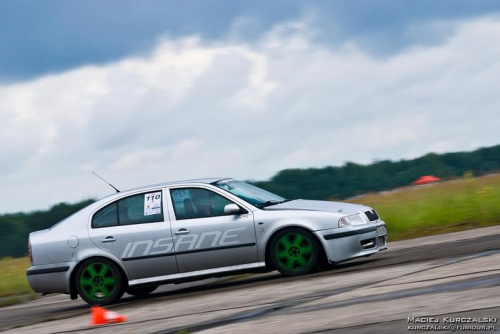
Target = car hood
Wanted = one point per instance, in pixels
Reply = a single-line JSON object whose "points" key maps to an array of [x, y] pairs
{"points": [[338, 207]]}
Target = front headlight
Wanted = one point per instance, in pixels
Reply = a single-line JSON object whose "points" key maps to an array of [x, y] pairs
{"points": [[351, 220]]}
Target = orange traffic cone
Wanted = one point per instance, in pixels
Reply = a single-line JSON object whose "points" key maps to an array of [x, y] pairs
{"points": [[101, 316]]}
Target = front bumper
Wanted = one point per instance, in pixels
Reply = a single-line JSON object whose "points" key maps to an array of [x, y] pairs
{"points": [[347, 243], [50, 278]]}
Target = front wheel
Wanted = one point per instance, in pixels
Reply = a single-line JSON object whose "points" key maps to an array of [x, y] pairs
{"points": [[294, 251], [99, 281]]}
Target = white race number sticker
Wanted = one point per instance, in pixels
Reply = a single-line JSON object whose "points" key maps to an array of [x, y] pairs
{"points": [[152, 203]]}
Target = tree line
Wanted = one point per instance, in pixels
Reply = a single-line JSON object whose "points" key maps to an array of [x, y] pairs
{"points": [[331, 182], [353, 179]]}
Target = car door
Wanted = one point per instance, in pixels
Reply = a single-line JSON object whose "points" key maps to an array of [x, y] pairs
{"points": [[136, 229], [207, 238]]}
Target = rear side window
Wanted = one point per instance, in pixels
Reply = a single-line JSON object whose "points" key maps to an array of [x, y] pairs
{"points": [[106, 217], [136, 209]]}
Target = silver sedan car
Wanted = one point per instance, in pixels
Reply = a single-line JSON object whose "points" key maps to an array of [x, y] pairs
{"points": [[135, 240]]}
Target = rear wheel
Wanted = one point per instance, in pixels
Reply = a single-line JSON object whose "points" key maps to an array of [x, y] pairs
{"points": [[141, 291], [99, 281], [294, 251]]}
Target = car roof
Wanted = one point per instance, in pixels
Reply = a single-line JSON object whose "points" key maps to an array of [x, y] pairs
{"points": [[112, 196], [174, 183]]}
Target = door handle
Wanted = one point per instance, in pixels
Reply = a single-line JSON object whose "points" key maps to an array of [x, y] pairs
{"points": [[108, 239], [182, 231]]}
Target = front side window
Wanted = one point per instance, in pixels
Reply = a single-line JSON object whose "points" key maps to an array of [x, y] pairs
{"points": [[136, 209], [197, 203]]}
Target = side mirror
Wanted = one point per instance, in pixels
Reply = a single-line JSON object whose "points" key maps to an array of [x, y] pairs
{"points": [[231, 209]]}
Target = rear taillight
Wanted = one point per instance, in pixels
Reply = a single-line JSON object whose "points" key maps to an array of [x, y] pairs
{"points": [[29, 251]]}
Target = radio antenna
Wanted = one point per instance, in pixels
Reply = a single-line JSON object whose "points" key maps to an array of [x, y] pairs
{"points": [[112, 186]]}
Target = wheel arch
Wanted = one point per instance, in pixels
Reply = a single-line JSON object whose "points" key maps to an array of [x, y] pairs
{"points": [[72, 280], [267, 258]]}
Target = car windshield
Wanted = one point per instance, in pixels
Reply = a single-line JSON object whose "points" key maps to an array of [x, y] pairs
{"points": [[249, 193]]}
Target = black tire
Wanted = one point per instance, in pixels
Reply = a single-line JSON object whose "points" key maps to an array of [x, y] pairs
{"points": [[139, 292], [294, 251], [99, 281]]}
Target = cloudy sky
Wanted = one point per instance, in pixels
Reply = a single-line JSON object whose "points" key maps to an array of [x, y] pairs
{"points": [[151, 91]]}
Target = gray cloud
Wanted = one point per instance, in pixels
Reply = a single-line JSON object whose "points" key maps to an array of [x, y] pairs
{"points": [[39, 38]]}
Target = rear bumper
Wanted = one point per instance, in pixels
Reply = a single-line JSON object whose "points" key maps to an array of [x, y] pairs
{"points": [[50, 278], [343, 244]]}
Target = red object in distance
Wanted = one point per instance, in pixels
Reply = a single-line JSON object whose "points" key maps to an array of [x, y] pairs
{"points": [[426, 179]]}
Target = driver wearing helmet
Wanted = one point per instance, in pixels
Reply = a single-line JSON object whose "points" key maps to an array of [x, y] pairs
{"points": [[202, 199]]}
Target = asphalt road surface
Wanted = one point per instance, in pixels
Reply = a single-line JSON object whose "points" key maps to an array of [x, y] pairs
{"points": [[421, 285]]}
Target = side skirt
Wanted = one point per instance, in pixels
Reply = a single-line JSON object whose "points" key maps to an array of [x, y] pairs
{"points": [[193, 275]]}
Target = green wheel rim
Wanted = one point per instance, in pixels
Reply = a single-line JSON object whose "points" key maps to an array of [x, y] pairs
{"points": [[294, 251], [98, 281]]}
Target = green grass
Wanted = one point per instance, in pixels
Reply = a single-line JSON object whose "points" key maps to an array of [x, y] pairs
{"points": [[13, 281], [439, 208]]}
